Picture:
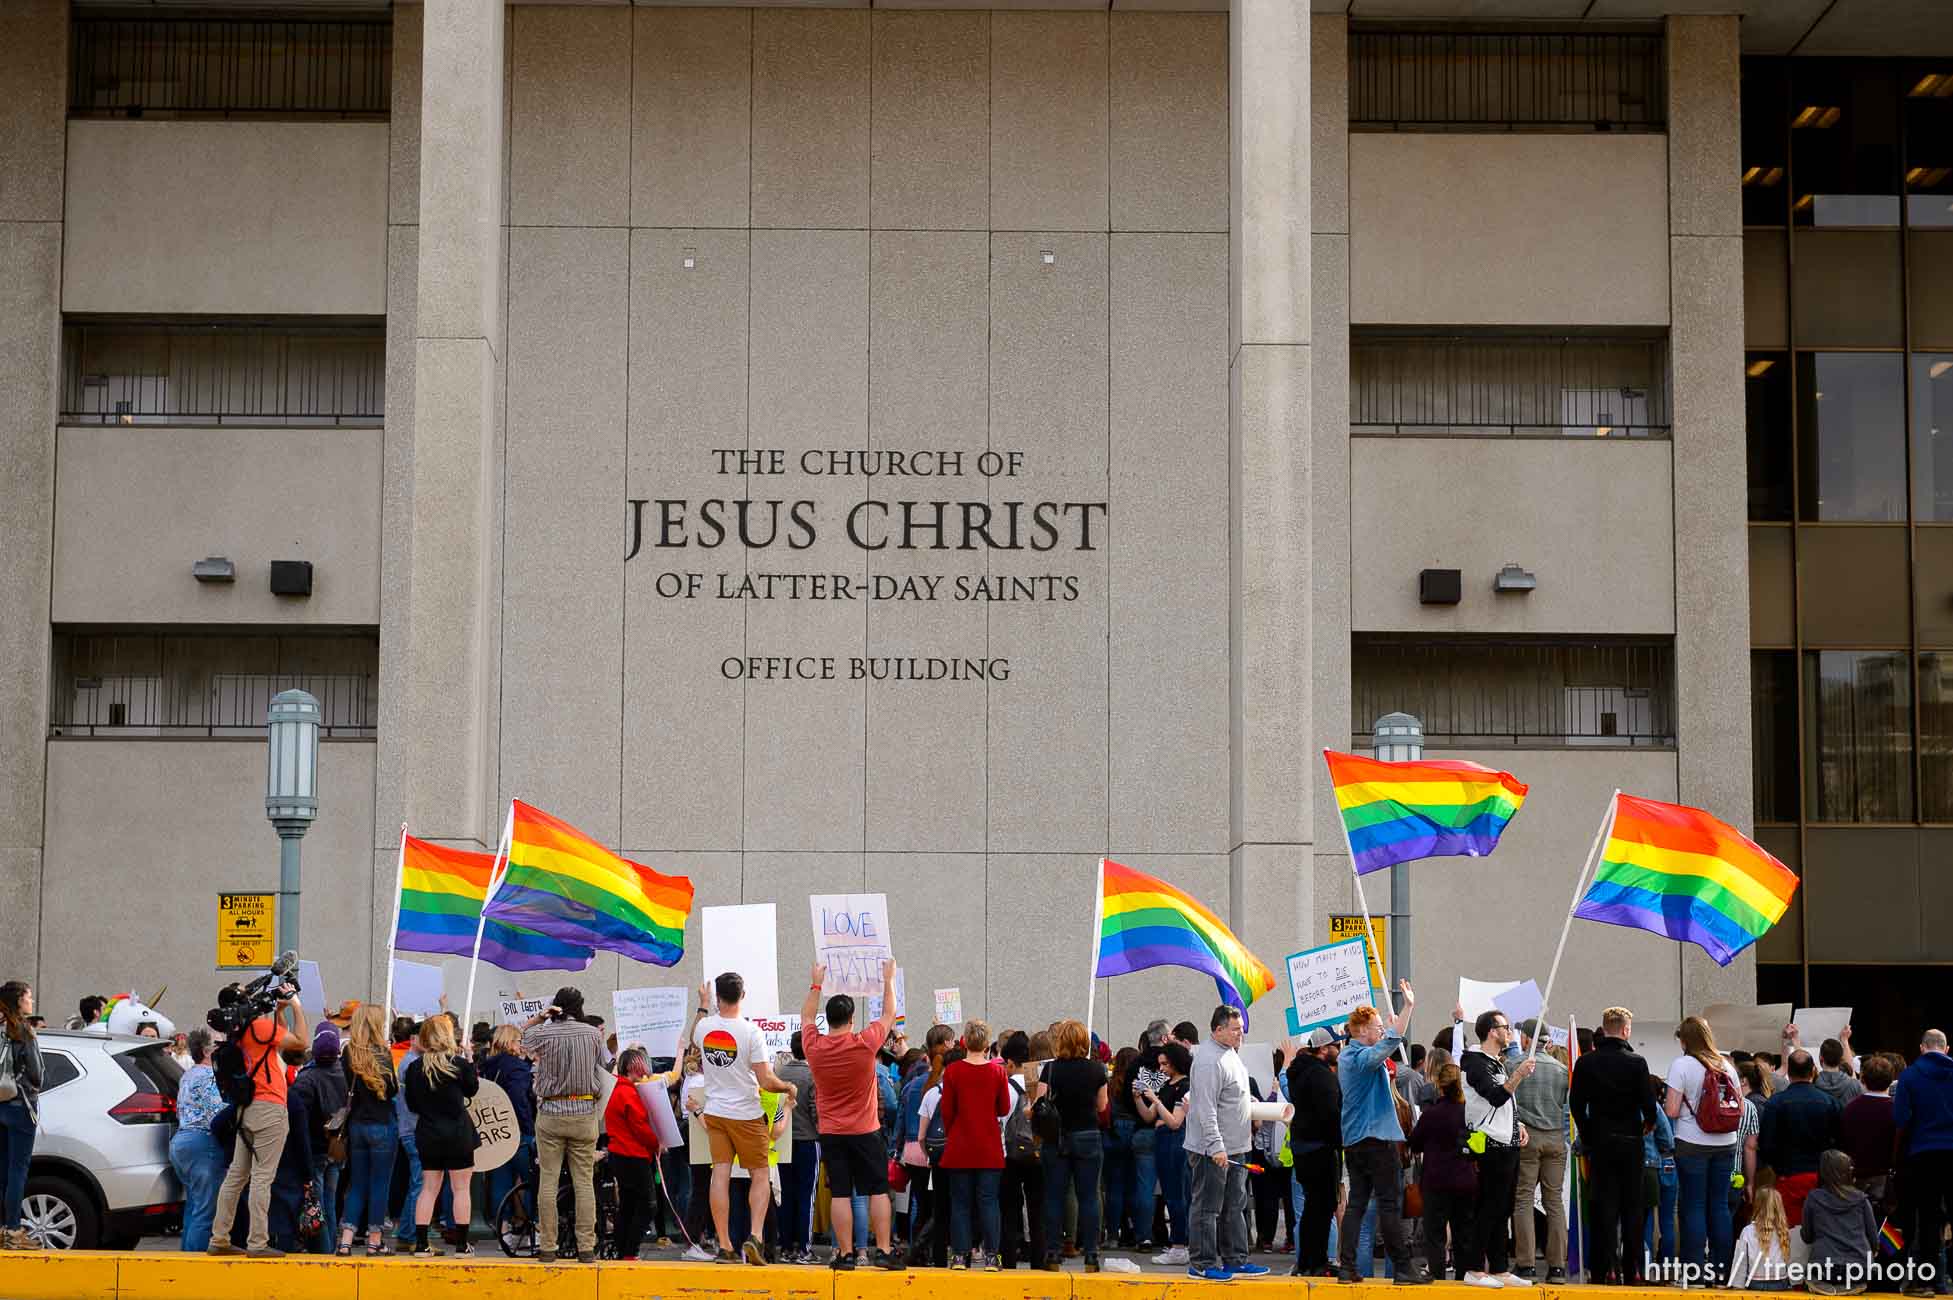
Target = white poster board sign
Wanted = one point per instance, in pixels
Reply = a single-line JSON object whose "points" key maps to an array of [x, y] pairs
{"points": [[1520, 1002], [311, 990], [417, 988], [744, 938], [778, 1032], [518, 1011], [657, 1107], [1747, 1028], [495, 1123], [1477, 997], [1814, 1025], [949, 1006], [650, 1018], [871, 1006], [1559, 1036], [1327, 983], [1260, 1060], [851, 939]]}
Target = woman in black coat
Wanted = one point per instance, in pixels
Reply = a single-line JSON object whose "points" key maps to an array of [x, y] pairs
{"points": [[438, 1086]]}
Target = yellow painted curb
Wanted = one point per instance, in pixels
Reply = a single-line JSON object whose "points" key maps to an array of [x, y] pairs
{"points": [[1018, 1284], [42, 1275], [662, 1281], [176, 1275]]}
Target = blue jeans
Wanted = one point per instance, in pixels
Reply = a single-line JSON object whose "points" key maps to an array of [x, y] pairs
{"points": [[675, 1169], [328, 1180], [797, 1179], [1118, 1175], [16, 1149], [1704, 1199], [369, 1167], [1366, 1246], [858, 1206], [1668, 1184], [1170, 1160], [1144, 1149], [200, 1164], [502, 1181], [979, 1185], [1073, 1163]]}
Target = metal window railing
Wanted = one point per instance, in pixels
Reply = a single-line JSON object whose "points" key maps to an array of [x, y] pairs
{"points": [[223, 374], [1495, 81], [212, 685], [1481, 385], [1521, 694], [230, 67]]}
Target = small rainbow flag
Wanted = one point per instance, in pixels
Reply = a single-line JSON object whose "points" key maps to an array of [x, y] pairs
{"points": [[440, 906], [1680, 872], [1437, 808], [1145, 922], [562, 883], [1890, 1242]]}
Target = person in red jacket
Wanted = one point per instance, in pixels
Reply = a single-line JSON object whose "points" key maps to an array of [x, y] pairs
{"points": [[633, 1152], [976, 1095]]}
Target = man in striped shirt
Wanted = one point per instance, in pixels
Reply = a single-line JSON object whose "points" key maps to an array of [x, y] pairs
{"points": [[569, 1076]]}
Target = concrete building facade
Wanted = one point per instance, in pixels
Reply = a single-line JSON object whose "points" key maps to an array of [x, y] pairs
{"points": [[915, 450]]}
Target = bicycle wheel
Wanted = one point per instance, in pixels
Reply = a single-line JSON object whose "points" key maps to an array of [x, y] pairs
{"points": [[515, 1223]]}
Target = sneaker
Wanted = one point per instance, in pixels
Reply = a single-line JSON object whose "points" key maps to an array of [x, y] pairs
{"points": [[842, 1263], [1513, 1279], [1092, 1264], [958, 1264], [586, 1257], [1484, 1280], [1119, 1264], [887, 1260], [995, 1264], [664, 1243], [754, 1252], [224, 1248], [725, 1257], [1348, 1275], [1412, 1277], [1051, 1265], [1173, 1255], [697, 1254], [546, 1256], [1210, 1274], [266, 1252], [1555, 1275], [429, 1251], [1248, 1269], [464, 1251], [1921, 1289]]}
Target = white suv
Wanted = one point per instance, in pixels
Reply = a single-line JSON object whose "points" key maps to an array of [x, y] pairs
{"points": [[101, 1175]]}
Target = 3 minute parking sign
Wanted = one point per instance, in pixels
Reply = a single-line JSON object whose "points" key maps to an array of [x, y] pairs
{"points": [[244, 931]]}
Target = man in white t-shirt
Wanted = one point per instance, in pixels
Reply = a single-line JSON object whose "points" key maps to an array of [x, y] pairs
{"points": [[733, 1057]]}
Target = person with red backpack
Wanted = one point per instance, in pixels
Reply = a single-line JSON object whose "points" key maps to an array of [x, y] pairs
{"points": [[1705, 1101]]}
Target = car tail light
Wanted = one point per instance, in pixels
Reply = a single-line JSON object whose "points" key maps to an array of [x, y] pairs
{"points": [[144, 1108]]}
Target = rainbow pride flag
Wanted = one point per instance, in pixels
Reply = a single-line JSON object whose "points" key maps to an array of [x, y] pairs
{"points": [[441, 890], [562, 883], [1438, 808], [1680, 872], [1145, 922]]}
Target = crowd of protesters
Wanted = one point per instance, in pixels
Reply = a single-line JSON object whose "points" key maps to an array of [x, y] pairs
{"points": [[1023, 1148]]}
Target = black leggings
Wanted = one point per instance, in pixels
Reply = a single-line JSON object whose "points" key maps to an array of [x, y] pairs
{"points": [[635, 1189], [1454, 1210]]}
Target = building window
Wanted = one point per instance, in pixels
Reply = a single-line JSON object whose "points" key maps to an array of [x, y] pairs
{"points": [[1844, 142], [229, 373], [1481, 692], [1765, 144], [217, 684], [1932, 437], [1851, 423], [1506, 81], [1490, 385], [1773, 733], [1936, 736], [230, 67], [1766, 394], [1858, 735], [1928, 109]]}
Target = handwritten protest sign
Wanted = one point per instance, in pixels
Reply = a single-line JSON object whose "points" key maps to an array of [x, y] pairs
{"points": [[518, 1011], [949, 1006], [851, 939], [778, 1032], [649, 1017], [495, 1124], [1327, 983], [871, 1006]]}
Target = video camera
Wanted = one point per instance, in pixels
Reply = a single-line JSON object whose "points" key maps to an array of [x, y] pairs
{"points": [[237, 1007]]}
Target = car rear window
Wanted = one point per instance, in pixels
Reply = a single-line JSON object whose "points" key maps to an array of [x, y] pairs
{"points": [[57, 1068], [151, 1069]]}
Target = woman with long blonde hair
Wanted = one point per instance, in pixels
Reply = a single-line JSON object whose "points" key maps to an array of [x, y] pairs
{"points": [[1762, 1260], [438, 1085], [372, 1132], [1699, 1083]]}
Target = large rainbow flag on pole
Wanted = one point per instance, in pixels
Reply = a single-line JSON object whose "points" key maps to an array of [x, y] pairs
{"points": [[1145, 922], [1680, 872], [1399, 812], [439, 909], [562, 883]]}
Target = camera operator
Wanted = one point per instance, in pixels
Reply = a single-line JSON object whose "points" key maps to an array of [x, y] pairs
{"points": [[263, 1122], [568, 1053]]}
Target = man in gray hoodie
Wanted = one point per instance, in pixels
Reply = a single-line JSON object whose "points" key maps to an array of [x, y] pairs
{"points": [[1219, 1136]]}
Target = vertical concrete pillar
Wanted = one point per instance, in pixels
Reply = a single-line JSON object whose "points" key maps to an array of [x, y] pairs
{"points": [[1712, 674], [33, 149], [1271, 866], [444, 760]]}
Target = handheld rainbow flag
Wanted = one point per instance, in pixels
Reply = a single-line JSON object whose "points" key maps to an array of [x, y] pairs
{"points": [[562, 883], [1145, 922], [1437, 808], [441, 892], [1680, 872], [1891, 1242]]}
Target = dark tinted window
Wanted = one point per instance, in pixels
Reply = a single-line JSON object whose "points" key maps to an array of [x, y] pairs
{"points": [[57, 1068], [1851, 425], [1844, 143], [1765, 143], [151, 1069], [1766, 394]]}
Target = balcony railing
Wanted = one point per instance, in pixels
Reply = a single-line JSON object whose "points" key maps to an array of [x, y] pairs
{"points": [[230, 67], [222, 374], [209, 684], [1499, 386], [1506, 81], [1481, 693]]}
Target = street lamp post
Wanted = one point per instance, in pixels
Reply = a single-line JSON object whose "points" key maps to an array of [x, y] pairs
{"points": [[1399, 739], [291, 793]]}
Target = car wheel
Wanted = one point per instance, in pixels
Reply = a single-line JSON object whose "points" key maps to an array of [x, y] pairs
{"points": [[59, 1216]]}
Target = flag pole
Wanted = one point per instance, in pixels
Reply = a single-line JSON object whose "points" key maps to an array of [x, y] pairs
{"points": [[1369, 926], [393, 934], [1579, 890], [495, 874], [1092, 969]]}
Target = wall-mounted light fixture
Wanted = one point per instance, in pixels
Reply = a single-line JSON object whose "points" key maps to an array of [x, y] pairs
{"points": [[214, 568], [1514, 578], [1048, 257]]}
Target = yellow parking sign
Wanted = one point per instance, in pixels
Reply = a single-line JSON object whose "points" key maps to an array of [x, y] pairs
{"points": [[1351, 927], [245, 936]]}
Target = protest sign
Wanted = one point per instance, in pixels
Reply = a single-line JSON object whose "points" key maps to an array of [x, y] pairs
{"points": [[851, 939], [518, 1011], [871, 1006], [490, 1111], [1260, 1060], [778, 1032], [1815, 1024], [1327, 983], [657, 1106], [1747, 1028], [949, 1006], [699, 1145], [1659, 1050], [1476, 997], [1520, 1002], [744, 938], [650, 1018], [1558, 1035], [417, 988]]}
